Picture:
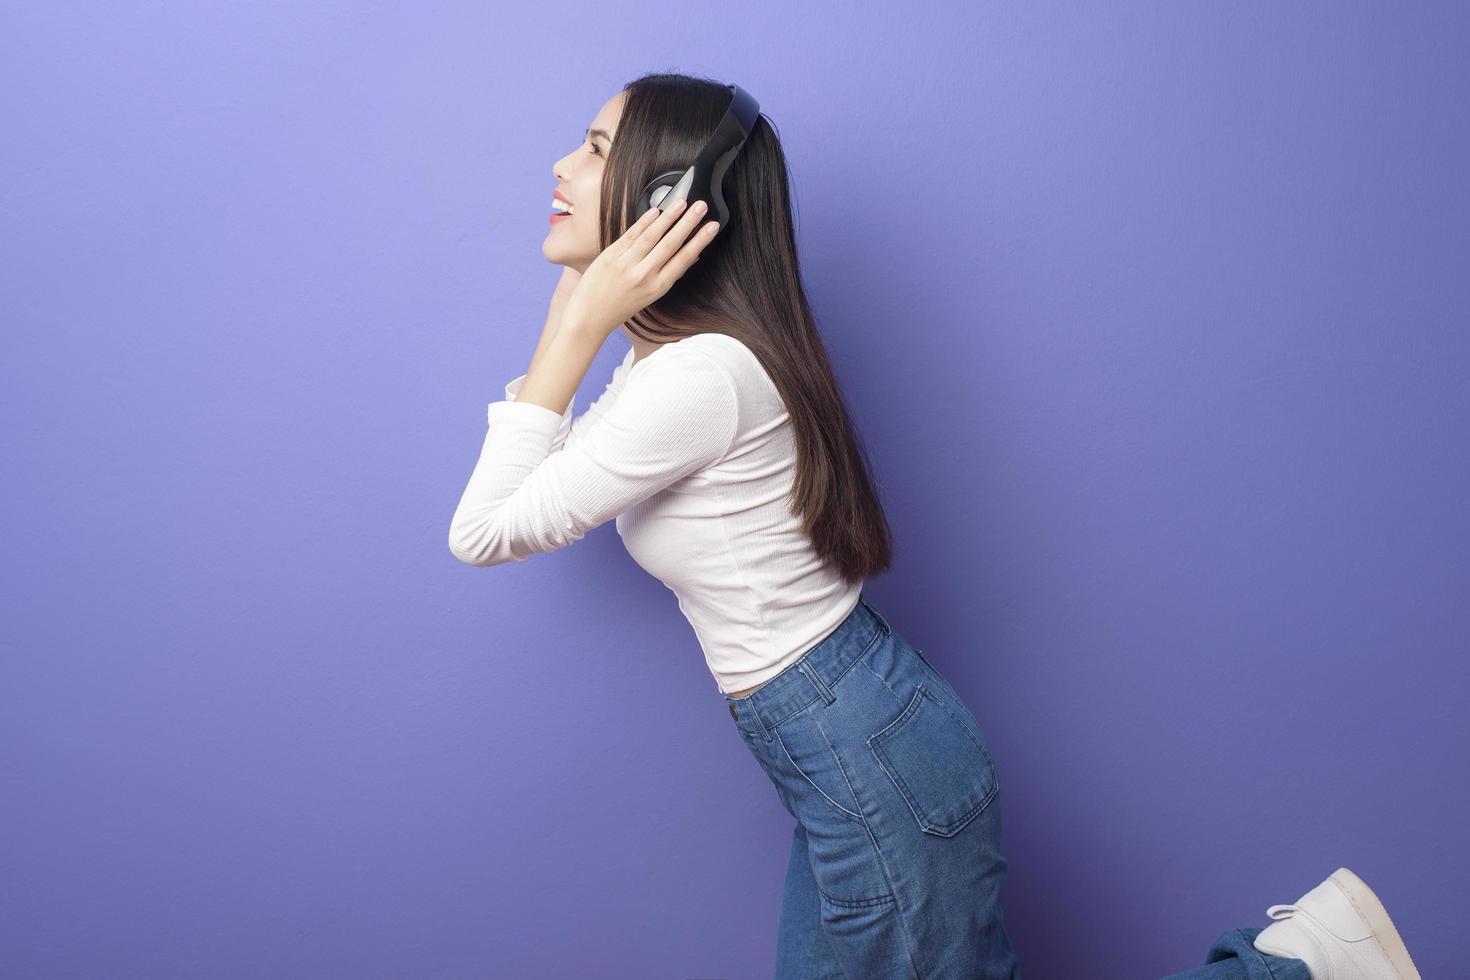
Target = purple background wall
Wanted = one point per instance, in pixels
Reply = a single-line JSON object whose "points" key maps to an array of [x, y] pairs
{"points": [[1154, 319]]}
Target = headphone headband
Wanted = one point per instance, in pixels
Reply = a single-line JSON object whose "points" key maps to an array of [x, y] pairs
{"points": [[703, 180]]}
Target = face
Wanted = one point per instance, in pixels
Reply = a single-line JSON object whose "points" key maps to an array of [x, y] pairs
{"points": [[572, 240]]}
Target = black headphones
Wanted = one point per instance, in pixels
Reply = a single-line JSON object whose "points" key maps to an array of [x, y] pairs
{"points": [[703, 180]]}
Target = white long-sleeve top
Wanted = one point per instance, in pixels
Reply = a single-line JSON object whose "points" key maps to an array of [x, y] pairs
{"points": [[692, 451]]}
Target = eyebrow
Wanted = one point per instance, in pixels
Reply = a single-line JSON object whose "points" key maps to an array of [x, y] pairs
{"points": [[600, 132]]}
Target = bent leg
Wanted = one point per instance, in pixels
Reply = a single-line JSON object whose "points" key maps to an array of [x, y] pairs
{"points": [[1234, 958]]}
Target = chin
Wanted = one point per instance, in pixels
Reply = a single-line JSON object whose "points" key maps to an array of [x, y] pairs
{"points": [[560, 255]]}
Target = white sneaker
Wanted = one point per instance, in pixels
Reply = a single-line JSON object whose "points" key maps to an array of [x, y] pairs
{"points": [[1341, 930]]}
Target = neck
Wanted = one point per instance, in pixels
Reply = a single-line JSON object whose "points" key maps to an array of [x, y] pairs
{"points": [[641, 348]]}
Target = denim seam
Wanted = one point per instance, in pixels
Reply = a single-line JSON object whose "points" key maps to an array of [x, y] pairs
{"points": [[908, 940], [862, 903], [835, 681], [897, 724], [842, 769], [901, 702], [903, 926], [765, 733], [926, 822], [810, 673], [989, 759], [846, 813], [876, 614]]}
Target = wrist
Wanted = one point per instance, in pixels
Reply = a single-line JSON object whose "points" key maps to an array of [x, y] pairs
{"points": [[577, 337], [576, 323]]}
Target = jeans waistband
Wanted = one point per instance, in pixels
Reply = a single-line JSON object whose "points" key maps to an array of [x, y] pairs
{"points": [[813, 675]]}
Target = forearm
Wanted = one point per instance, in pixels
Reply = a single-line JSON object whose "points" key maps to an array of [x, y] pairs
{"points": [[561, 361], [553, 323]]}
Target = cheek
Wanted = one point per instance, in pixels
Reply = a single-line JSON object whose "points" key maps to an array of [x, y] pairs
{"points": [[587, 201], [587, 185], [587, 218]]}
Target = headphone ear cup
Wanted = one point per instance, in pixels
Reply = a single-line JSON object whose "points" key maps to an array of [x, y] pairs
{"points": [[657, 188]]}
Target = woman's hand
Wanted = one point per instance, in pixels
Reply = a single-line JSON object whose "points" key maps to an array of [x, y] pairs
{"points": [[638, 268]]}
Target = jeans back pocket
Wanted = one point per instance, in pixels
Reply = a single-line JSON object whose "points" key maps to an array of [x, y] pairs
{"points": [[942, 771]]}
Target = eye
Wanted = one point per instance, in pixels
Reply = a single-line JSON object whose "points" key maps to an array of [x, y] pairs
{"points": [[595, 151]]}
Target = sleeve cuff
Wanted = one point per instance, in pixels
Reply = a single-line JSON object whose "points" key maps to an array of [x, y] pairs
{"points": [[537, 418], [512, 389]]}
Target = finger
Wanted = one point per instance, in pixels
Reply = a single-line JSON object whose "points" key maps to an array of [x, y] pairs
{"points": [[646, 239], [676, 236], [689, 254], [647, 218]]}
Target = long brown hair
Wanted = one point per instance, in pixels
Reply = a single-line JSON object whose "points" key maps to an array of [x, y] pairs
{"points": [[747, 284]]}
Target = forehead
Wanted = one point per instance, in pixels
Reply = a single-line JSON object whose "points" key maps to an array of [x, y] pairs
{"points": [[607, 117]]}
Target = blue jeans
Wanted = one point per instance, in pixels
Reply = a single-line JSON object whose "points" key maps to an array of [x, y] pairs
{"points": [[896, 866]]}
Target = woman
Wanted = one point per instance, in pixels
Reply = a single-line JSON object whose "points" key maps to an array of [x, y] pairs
{"points": [[723, 450]]}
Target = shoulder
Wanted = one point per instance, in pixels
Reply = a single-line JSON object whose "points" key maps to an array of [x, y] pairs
{"points": [[713, 351], [681, 398], [715, 368], [690, 372]]}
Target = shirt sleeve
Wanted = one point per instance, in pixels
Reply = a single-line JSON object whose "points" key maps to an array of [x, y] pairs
{"points": [[564, 426], [571, 430], [526, 496]]}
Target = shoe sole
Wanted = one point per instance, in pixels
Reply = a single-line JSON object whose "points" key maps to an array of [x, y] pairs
{"points": [[1373, 913]]}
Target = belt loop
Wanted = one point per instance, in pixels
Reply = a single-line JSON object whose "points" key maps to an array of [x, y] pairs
{"points": [[756, 714], [882, 623], [821, 686]]}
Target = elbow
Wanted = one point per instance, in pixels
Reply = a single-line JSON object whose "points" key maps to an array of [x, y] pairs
{"points": [[464, 556], [497, 538], [479, 545], [462, 545], [458, 551]]}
